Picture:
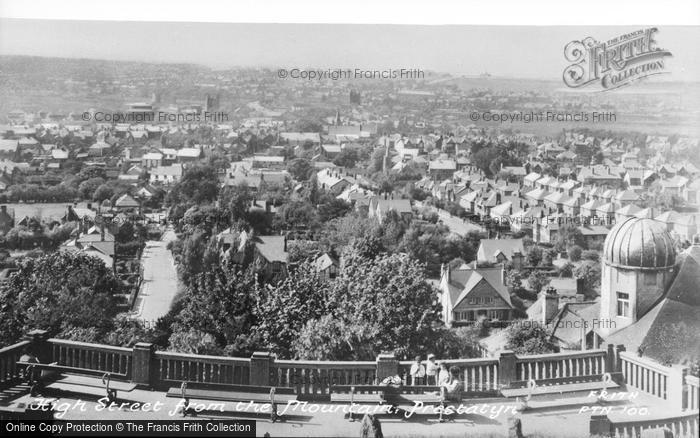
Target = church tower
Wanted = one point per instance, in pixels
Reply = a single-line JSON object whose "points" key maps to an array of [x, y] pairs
{"points": [[637, 269]]}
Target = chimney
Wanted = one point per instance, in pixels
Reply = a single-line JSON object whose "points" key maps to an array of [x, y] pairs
{"points": [[285, 243], [89, 205], [550, 305], [102, 232], [3, 208]]}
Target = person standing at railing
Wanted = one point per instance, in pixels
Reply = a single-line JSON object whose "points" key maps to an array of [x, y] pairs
{"points": [[417, 372], [431, 370]]}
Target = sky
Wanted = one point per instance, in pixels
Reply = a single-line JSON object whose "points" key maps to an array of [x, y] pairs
{"points": [[533, 52]]}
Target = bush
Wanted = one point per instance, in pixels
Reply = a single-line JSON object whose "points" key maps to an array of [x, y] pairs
{"points": [[574, 252], [591, 255]]}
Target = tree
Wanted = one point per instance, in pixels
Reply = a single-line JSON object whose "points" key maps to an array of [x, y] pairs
{"points": [[104, 191], [568, 236], [346, 158], [529, 337], [590, 272], [237, 200], [333, 208], [219, 304], [58, 292], [300, 169], [283, 311], [387, 303], [199, 185], [87, 188], [591, 255], [537, 280], [566, 270], [533, 256]]}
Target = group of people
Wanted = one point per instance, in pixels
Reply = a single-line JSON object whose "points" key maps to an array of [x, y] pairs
{"points": [[434, 373]]}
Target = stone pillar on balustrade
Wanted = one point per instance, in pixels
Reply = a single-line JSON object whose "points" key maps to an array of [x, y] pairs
{"points": [[143, 364], [610, 359], [675, 386], [39, 345], [506, 368], [387, 365], [261, 364], [618, 363]]}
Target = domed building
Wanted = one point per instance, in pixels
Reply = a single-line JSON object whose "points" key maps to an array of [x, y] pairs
{"points": [[638, 267], [649, 303]]}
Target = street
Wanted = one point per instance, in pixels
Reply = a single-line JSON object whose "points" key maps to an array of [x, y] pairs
{"points": [[159, 281]]}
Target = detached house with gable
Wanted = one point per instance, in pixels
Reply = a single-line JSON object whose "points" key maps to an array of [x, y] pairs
{"points": [[469, 294]]}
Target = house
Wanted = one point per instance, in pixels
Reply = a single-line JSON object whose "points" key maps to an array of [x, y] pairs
{"points": [[326, 266], [145, 192], [126, 202], [333, 180], [301, 138], [85, 216], [166, 175], [101, 249], [59, 154], [9, 147], [530, 179], [187, 155], [468, 294], [501, 251], [442, 169], [271, 254], [379, 207], [99, 149], [151, 160]]}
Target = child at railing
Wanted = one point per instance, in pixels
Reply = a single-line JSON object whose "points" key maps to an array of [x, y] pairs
{"points": [[417, 372], [431, 370], [453, 387]]}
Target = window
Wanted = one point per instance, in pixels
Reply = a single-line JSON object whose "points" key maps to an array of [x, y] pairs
{"points": [[623, 304]]}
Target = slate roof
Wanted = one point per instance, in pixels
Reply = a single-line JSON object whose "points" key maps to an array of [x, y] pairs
{"points": [[464, 279]]}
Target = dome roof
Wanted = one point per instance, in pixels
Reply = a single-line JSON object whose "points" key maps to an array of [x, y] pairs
{"points": [[639, 243]]}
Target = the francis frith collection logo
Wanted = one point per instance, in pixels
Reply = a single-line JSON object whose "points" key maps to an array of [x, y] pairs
{"points": [[614, 63]]}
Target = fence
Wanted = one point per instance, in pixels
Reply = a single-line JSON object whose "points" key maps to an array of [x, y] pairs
{"points": [[312, 379], [682, 426], [9, 372]]}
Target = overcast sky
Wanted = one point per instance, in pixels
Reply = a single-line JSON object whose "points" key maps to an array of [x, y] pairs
{"points": [[527, 51]]}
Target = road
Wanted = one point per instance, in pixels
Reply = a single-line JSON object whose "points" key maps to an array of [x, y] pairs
{"points": [[159, 280], [456, 225]]}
